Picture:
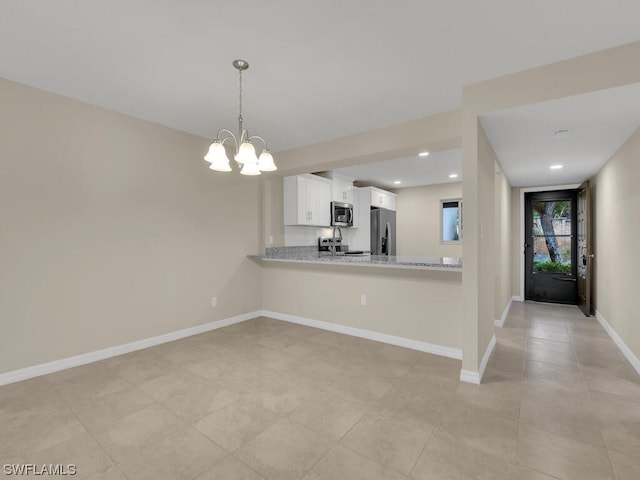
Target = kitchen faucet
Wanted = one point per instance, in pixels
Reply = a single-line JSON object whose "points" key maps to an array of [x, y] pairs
{"points": [[333, 240]]}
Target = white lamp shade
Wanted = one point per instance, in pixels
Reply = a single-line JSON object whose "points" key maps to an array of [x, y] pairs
{"points": [[247, 154], [216, 152], [265, 162], [250, 169], [220, 165], [217, 157]]}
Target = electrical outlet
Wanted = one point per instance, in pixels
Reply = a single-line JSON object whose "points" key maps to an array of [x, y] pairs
{"points": [[363, 299], [214, 301], [270, 239]]}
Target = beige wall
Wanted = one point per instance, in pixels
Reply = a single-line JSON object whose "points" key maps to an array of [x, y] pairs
{"points": [[415, 304], [478, 251], [616, 203], [433, 133], [418, 220], [504, 234], [608, 68], [272, 212], [112, 230], [488, 256]]}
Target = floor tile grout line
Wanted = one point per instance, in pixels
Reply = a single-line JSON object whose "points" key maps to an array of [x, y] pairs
{"points": [[373, 460], [324, 454], [243, 462], [589, 393], [522, 375], [98, 443], [424, 447], [367, 410], [582, 374], [153, 402], [86, 428]]}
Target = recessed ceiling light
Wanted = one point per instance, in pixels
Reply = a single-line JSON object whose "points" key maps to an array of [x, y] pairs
{"points": [[453, 175], [423, 154], [397, 182], [555, 167], [563, 132]]}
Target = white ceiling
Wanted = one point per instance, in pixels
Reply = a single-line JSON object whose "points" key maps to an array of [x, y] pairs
{"points": [[411, 171], [319, 70], [598, 123]]}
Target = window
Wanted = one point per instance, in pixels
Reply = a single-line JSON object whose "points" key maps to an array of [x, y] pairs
{"points": [[552, 236], [451, 221]]}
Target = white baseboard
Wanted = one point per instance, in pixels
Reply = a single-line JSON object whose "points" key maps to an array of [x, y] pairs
{"points": [[470, 376], [369, 334], [89, 357], [626, 351], [500, 323], [517, 298], [82, 359]]}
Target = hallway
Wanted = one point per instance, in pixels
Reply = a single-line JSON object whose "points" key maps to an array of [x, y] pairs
{"points": [[579, 407]]}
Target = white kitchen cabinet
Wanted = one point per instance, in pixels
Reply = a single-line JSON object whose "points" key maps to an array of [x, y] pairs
{"points": [[341, 188], [356, 206], [360, 235], [307, 200], [382, 198], [323, 205]]}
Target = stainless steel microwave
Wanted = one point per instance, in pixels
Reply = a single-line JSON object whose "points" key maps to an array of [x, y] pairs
{"points": [[341, 214]]}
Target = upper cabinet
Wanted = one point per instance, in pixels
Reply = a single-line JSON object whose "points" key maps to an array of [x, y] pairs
{"points": [[382, 198], [341, 188], [307, 200]]}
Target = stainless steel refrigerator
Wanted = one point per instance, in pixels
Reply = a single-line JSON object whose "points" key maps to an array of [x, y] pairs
{"points": [[383, 232]]}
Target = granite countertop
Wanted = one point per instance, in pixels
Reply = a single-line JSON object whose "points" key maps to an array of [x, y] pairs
{"points": [[311, 255]]}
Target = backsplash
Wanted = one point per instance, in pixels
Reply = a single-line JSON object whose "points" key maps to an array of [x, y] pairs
{"points": [[295, 251], [292, 250], [296, 236]]}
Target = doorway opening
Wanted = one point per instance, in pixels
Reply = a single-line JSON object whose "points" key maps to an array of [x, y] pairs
{"points": [[551, 247]]}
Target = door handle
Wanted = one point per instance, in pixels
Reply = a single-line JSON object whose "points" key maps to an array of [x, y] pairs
{"points": [[565, 279]]}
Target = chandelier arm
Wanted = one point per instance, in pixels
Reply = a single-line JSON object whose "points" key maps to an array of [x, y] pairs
{"points": [[229, 134], [264, 142]]}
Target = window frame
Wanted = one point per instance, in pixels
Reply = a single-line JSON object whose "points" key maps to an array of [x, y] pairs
{"points": [[460, 220]]}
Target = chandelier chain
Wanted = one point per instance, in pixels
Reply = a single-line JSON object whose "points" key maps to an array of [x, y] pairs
{"points": [[240, 96]]}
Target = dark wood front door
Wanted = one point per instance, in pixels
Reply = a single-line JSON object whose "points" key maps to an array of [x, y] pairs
{"points": [[585, 250], [551, 247]]}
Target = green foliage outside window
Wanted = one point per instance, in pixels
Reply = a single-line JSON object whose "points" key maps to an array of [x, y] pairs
{"points": [[552, 267]]}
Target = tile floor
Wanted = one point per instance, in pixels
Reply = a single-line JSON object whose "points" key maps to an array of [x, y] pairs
{"points": [[269, 400]]}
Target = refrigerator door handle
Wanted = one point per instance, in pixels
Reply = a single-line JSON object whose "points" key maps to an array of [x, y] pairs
{"points": [[387, 228]]}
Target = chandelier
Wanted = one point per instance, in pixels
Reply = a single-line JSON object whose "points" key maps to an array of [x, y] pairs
{"points": [[245, 152]]}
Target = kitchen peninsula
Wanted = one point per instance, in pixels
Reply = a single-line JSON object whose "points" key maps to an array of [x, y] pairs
{"points": [[312, 256], [412, 302]]}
